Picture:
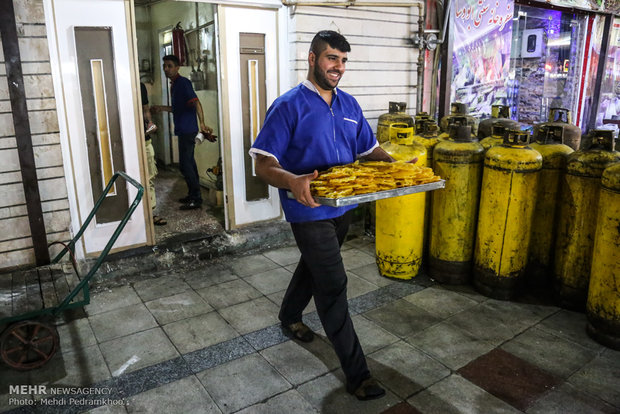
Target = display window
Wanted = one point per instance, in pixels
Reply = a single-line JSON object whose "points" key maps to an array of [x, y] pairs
{"points": [[608, 112], [546, 62]]}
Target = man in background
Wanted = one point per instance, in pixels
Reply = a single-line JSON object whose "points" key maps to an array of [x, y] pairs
{"points": [[185, 107]]}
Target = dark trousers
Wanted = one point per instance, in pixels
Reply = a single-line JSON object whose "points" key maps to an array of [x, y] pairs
{"points": [[320, 273], [187, 165]]}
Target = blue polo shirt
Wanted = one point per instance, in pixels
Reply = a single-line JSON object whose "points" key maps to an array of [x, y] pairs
{"points": [[304, 134], [183, 109]]}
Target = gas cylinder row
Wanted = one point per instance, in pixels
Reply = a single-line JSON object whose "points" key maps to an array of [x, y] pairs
{"points": [[511, 212]]}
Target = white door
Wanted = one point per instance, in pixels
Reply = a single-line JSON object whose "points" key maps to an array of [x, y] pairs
{"points": [[249, 59], [92, 60]]}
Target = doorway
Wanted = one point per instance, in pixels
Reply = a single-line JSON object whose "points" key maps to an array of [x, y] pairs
{"points": [[188, 30]]}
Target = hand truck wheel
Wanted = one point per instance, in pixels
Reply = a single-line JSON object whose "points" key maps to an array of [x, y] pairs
{"points": [[28, 344]]}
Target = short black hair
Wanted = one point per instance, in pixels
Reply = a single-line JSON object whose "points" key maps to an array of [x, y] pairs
{"points": [[173, 59], [331, 38]]}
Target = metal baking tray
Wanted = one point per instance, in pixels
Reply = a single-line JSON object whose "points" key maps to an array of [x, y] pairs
{"points": [[379, 195]]}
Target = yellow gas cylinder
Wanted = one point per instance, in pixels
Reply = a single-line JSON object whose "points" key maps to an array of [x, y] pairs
{"points": [[507, 201], [496, 138], [500, 114], [400, 137], [427, 135], [458, 109], [562, 117], [603, 305], [396, 115], [420, 118], [455, 208], [456, 120], [399, 229], [577, 217], [554, 153]]}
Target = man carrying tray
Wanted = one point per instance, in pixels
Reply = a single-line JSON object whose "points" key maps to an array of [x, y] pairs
{"points": [[308, 129]]}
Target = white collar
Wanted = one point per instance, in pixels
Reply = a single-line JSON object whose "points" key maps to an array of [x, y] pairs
{"points": [[313, 88]]}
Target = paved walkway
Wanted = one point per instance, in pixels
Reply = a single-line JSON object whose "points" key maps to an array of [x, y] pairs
{"points": [[206, 339]]}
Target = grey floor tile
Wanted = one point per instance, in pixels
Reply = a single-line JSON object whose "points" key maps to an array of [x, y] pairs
{"points": [[199, 332], [270, 281], [160, 287], [486, 323], [183, 396], [359, 242], [555, 355], [450, 345], [252, 315], [327, 395], [75, 335], [209, 275], [600, 377], [252, 378], [180, 306], [370, 273], [110, 299], [218, 354], [570, 325], [401, 318], [229, 293], [440, 302], [297, 363], [466, 290], [354, 258], [371, 300], [519, 315], [121, 322], [267, 337], [136, 351], [83, 367], [288, 402], [284, 256], [249, 265], [372, 337], [278, 296], [357, 286], [567, 399], [457, 395], [404, 369]]}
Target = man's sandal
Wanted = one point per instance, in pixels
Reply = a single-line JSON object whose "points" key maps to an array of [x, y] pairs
{"points": [[369, 389], [300, 331]]}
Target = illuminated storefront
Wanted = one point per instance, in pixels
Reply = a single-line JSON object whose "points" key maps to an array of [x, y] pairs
{"points": [[534, 56]]}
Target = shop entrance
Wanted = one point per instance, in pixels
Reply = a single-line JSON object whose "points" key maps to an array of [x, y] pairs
{"points": [[243, 44], [188, 30]]}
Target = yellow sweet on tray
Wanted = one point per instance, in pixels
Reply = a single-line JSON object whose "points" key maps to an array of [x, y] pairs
{"points": [[369, 177]]}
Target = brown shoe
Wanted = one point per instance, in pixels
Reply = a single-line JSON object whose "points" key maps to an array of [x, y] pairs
{"points": [[369, 389], [300, 330]]}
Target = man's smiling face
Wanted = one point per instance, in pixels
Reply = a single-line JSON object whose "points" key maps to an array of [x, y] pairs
{"points": [[328, 67]]}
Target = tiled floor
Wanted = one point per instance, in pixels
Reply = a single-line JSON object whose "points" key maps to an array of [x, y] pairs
{"points": [[206, 339]]}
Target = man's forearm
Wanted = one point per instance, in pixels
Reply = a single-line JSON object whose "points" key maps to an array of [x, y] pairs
{"points": [[269, 170], [199, 112], [272, 173]]}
